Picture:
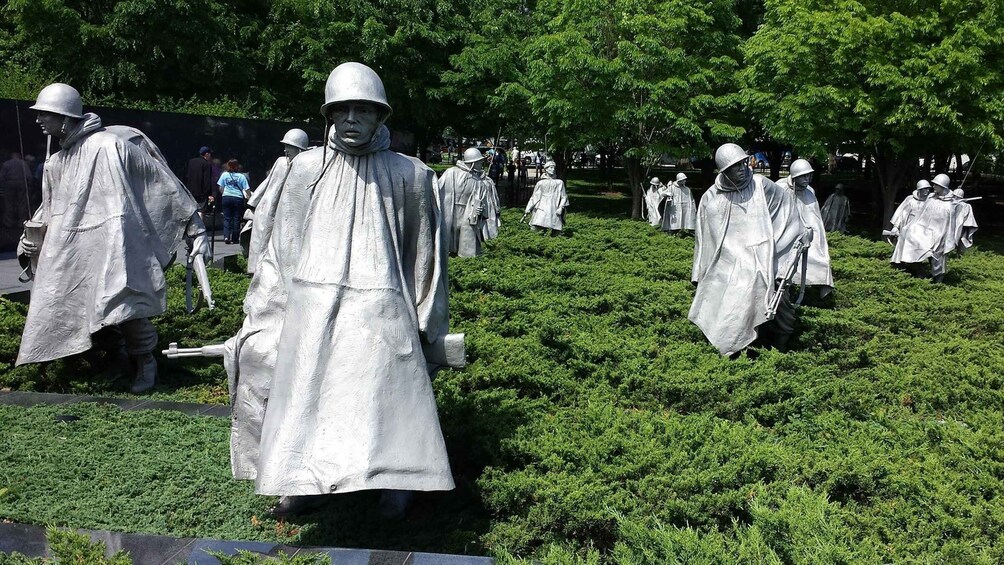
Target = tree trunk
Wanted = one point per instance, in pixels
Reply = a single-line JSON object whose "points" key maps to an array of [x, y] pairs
{"points": [[892, 172], [636, 175], [775, 156]]}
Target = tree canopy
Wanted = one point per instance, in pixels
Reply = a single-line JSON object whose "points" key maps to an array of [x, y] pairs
{"points": [[900, 79]]}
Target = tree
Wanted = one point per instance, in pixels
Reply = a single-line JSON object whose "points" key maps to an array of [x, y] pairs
{"points": [[114, 52], [649, 77], [904, 78]]}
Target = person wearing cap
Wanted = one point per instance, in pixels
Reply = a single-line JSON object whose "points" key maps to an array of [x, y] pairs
{"points": [[836, 210], [818, 271], [470, 205], [350, 290], [548, 202], [261, 206], [112, 217], [653, 197], [678, 210], [922, 231], [741, 221], [199, 177]]}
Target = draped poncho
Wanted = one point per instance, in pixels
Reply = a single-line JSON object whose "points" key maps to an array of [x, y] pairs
{"points": [[836, 211], [738, 230], [468, 200], [818, 272], [115, 215], [679, 211], [548, 203], [361, 262]]}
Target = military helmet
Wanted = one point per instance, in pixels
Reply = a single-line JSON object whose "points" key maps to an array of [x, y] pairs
{"points": [[655, 180], [680, 176], [942, 180], [354, 82], [59, 98], [800, 167], [923, 185], [472, 155], [296, 137], [729, 154]]}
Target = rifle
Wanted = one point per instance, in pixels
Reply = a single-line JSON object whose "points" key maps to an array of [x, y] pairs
{"points": [[449, 351], [174, 352], [970, 199], [801, 251]]}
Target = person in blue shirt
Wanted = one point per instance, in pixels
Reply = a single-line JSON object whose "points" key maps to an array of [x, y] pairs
{"points": [[233, 185]]}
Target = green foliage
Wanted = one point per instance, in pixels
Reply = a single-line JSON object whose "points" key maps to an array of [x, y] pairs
{"points": [[244, 557], [595, 424], [69, 547]]}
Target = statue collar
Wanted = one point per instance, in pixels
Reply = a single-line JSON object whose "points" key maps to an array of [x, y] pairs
{"points": [[88, 125], [379, 142]]}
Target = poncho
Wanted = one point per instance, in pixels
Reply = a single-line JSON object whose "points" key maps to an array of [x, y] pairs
{"points": [[818, 272], [548, 203], [734, 258], [836, 211], [964, 225], [651, 209], [679, 211], [115, 216], [250, 355], [264, 200], [926, 229], [351, 405], [468, 198]]}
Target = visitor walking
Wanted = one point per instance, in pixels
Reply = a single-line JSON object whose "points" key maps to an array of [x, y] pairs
{"points": [[233, 186], [199, 177]]}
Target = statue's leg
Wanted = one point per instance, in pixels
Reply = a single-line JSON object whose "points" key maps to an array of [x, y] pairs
{"points": [[783, 324], [938, 263], [140, 340]]}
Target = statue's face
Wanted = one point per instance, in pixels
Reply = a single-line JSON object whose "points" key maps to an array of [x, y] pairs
{"points": [[737, 173], [291, 151], [477, 165], [682, 183], [51, 124], [549, 169], [355, 123], [923, 192], [802, 181]]}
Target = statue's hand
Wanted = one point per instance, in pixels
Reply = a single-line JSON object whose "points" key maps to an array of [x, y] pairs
{"points": [[27, 248], [200, 245]]}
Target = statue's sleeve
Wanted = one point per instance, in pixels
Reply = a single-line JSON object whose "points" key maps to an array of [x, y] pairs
{"points": [[425, 256]]}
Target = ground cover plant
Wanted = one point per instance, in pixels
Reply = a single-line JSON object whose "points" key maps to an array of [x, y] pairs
{"points": [[594, 422]]}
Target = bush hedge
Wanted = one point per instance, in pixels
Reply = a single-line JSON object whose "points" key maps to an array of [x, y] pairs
{"points": [[595, 423]]}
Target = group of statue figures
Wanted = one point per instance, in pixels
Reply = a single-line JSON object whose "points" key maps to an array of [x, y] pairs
{"points": [[670, 207], [931, 223], [347, 310]]}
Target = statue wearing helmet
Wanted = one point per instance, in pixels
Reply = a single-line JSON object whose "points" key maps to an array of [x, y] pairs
{"points": [[470, 205], [346, 312], [836, 210], [818, 272], [260, 212], [742, 220], [653, 196], [111, 219], [926, 229], [679, 213], [548, 202]]}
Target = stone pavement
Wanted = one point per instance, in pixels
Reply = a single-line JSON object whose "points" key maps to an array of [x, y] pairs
{"points": [[161, 550]]}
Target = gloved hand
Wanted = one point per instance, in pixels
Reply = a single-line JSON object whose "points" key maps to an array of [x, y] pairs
{"points": [[200, 245], [27, 248]]}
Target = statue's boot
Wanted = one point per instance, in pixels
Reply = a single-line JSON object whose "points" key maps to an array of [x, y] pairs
{"points": [[146, 373], [296, 505]]}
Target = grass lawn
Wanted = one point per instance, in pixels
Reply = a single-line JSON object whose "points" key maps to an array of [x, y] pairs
{"points": [[595, 422]]}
